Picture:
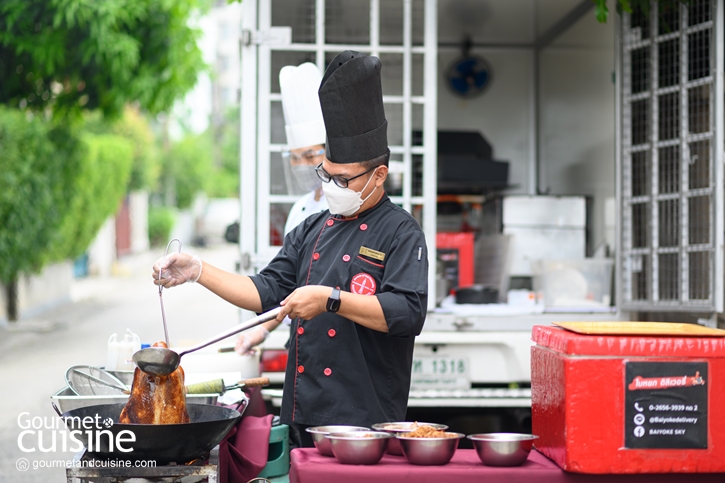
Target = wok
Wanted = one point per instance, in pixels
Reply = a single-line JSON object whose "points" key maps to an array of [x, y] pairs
{"points": [[164, 443]]}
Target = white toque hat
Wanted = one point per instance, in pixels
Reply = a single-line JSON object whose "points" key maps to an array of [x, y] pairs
{"points": [[301, 105]]}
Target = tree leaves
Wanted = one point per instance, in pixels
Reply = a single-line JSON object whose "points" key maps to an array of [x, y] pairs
{"points": [[57, 188], [601, 11], [104, 54], [628, 6], [27, 204]]}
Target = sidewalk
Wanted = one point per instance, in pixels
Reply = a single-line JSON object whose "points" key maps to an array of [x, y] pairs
{"points": [[87, 295]]}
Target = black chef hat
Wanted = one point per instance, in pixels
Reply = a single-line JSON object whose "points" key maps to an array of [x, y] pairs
{"points": [[351, 97]]}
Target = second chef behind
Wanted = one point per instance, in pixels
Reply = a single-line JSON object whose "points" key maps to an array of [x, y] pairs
{"points": [[352, 279]]}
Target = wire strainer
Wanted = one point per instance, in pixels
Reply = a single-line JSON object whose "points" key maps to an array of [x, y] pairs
{"points": [[94, 381]]}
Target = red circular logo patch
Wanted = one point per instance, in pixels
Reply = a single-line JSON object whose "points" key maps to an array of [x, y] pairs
{"points": [[362, 283]]}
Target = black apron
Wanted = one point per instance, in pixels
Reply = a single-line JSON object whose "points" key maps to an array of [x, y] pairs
{"points": [[340, 372]]}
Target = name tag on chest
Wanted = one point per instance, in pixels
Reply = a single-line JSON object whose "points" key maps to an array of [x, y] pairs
{"points": [[369, 252]]}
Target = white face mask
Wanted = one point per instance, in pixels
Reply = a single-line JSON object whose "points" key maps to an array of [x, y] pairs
{"points": [[344, 201]]}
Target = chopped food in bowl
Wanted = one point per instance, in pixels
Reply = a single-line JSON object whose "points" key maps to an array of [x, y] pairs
{"points": [[427, 432], [397, 427]]}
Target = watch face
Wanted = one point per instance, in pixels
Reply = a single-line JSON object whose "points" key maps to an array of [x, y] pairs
{"points": [[333, 305]]}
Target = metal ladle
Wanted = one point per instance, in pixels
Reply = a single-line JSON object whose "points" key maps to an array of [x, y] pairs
{"points": [[161, 288], [159, 361]]}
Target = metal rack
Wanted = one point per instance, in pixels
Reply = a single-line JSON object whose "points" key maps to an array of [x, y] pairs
{"points": [[671, 175], [82, 471]]}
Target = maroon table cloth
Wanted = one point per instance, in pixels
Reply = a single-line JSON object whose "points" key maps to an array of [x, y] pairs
{"points": [[244, 451], [308, 466]]}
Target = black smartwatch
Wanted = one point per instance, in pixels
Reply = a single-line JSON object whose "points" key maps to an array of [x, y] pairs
{"points": [[333, 303]]}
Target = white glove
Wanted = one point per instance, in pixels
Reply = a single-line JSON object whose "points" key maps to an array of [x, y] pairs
{"points": [[177, 268], [251, 338]]}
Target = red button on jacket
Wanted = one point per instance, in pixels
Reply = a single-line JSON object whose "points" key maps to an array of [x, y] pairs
{"points": [[300, 330], [300, 369], [327, 371], [331, 332], [316, 256], [330, 222]]}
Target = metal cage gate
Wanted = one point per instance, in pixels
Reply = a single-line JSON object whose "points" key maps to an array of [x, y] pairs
{"points": [[403, 34], [670, 169]]}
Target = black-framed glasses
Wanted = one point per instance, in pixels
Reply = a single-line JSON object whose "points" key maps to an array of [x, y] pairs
{"points": [[308, 156], [339, 180]]}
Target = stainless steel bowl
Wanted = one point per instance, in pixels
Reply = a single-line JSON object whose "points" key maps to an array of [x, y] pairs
{"points": [[503, 449], [402, 427], [359, 447], [319, 436], [430, 451]]}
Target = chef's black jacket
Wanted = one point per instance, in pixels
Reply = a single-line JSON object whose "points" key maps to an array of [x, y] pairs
{"points": [[340, 372]]}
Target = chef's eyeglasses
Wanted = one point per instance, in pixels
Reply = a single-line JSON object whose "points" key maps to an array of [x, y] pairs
{"points": [[339, 180], [308, 156]]}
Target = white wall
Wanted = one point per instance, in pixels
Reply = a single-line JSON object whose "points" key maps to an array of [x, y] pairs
{"points": [[139, 208], [40, 292], [576, 104], [499, 21], [577, 116], [501, 113], [102, 252]]}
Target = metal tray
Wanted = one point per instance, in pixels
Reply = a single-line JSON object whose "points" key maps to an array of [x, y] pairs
{"points": [[67, 401]]}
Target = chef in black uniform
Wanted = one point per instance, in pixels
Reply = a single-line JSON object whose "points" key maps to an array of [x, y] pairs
{"points": [[353, 278]]}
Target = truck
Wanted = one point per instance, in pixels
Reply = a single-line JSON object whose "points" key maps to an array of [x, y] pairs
{"points": [[560, 102]]}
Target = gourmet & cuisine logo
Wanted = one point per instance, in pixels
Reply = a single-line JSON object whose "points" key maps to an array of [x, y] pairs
{"points": [[48, 435]]}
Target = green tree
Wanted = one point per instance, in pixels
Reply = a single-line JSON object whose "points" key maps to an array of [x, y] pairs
{"points": [[27, 202], [71, 55], [58, 60], [188, 168], [206, 162], [57, 187], [629, 6], [226, 176], [134, 127], [146, 155], [100, 179]]}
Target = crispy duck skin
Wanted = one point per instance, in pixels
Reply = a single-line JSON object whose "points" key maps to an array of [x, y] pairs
{"points": [[156, 399]]}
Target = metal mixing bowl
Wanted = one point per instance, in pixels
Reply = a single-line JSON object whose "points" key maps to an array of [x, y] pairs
{"points": [[319, 436], [503, 449], [359, 447], [430, 451], [402, 427]]}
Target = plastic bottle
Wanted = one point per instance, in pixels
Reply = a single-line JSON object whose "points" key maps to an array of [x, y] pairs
{"points": [[112, 354], [130, 344]]}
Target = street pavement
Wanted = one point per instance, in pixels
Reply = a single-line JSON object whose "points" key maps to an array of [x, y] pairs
{"points": [[35, 353]]}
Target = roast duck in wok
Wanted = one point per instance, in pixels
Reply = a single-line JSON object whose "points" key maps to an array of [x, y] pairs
{"points": [[156, 399]]}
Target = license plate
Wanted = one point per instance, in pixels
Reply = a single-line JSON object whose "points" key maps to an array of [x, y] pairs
{"points": [[434, 372]]}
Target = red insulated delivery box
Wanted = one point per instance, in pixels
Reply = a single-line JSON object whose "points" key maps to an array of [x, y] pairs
{"points": [[629, 404]]}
